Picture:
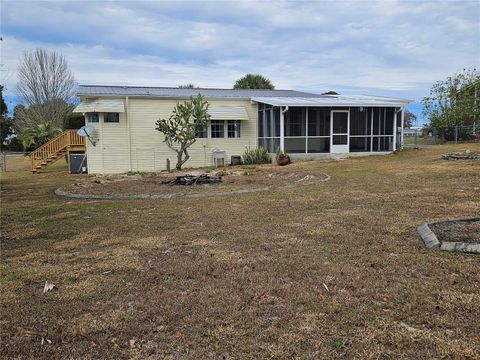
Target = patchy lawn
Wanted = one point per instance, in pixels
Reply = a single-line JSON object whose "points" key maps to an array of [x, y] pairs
{"points": [[327, 270]]}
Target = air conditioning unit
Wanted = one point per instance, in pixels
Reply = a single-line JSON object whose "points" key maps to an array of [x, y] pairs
{"points": [[219, 157]]}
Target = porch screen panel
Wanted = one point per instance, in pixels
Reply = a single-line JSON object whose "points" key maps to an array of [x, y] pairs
{"points": [[360, 129], [319, 122], [318, 136], [295, 122], [268, 127], [318, 145], [295, 130], [295, 145], [371, 129], [383, 129]]}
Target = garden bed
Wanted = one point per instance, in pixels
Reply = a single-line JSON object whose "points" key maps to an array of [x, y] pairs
{"points": [[467, 231], [153, 185], [453, 235], [467, 155]]}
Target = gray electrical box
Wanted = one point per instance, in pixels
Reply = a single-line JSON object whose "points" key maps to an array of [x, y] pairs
{"points": [[78, 163]]}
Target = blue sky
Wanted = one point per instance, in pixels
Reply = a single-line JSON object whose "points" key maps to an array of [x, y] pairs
{"points": [[391, 48]]}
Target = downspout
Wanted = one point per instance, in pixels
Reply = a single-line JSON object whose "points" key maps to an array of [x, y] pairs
{"points": [[129, 136], [282, 128]]}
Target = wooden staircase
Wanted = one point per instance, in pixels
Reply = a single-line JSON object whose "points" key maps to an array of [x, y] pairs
{"points": [[60, 146]]}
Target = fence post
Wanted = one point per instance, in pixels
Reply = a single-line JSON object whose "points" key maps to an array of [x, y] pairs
{"points": [[4, 162], [456, 134], [168, 165]]}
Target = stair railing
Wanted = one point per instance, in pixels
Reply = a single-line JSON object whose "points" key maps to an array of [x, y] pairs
{"points": [[40, 156]]}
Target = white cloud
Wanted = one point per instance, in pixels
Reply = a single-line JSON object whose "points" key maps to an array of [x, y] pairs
{"points": [[387, 47]]}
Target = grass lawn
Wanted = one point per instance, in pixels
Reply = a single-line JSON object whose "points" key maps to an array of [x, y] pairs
{"points": [[328, 270]]}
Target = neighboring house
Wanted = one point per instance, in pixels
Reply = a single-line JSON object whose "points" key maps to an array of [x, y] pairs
{"points": [[299, 123], [413, 131]]}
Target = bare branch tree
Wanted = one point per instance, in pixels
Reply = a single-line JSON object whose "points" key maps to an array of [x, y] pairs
{"points": [[44, 76], [46, 85]]}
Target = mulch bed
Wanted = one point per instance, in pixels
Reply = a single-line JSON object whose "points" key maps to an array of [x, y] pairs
{"points": [[466, 231], [157, 183]]}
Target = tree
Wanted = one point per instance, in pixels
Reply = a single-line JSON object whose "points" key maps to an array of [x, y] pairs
{"points": [[38, 135], [187, 86], [46, 86], [6, 124], [253, 81], [451, 103], [53, 112], [409, 119], [331, 92], [181, 128]]}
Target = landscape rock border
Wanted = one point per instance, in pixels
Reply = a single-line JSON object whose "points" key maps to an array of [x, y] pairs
{"points": [[431, 240], [60, 192]]}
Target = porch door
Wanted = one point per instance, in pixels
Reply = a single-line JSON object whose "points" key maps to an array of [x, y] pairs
{"points": [[340, 123]]}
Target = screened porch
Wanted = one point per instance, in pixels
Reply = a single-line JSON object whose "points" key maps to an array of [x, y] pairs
{"points": [[329, 129]]}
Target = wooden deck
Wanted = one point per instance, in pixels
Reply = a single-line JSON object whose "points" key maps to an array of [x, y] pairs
{"points": [[60, 146]]}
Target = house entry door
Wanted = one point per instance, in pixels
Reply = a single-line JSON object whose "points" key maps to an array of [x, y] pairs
{"points": [[340, 123]]}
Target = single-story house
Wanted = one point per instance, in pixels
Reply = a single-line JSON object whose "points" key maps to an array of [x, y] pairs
{"points": [[299, 123]]}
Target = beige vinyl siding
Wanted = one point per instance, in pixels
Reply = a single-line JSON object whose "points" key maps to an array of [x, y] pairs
{"points": [[94, 153], [115, 146], [143, 114], [148, 151]]}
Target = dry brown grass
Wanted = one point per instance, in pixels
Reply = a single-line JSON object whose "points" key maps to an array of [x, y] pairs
{"points": [[243, 276]]}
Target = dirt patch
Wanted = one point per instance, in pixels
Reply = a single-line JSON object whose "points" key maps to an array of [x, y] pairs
{"points": [[152, 185], [466, 231]]}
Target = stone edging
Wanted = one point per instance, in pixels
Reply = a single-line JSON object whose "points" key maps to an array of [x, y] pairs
{"points": [[431, 241], [60, 192]]}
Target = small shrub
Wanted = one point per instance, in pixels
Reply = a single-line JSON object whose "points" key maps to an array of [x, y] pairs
{"points": [[256, 156]]}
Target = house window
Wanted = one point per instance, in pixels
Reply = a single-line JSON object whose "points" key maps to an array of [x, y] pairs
{"points": [[202, 131], [111, 117], [92, 117], [218, 128], [233, 128]]}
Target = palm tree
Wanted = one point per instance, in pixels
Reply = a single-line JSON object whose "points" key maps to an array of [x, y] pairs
{"points": [[253, 81], [38, 134]]}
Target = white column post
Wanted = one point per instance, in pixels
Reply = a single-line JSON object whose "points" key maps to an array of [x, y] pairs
{"points": [[402, 122], [395, 130], [282, 128]]}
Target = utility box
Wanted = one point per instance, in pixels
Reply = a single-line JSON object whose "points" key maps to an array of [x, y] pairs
{"points": [[219, 158], [78, 163], [236, 160]]}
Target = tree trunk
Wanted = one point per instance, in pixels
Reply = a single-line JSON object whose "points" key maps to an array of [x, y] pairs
{"points": [[179, 160], [180, 153]]}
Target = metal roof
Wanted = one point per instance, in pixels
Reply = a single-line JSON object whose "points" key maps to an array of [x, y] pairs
{"points": [[333, 100], [174, 92]]}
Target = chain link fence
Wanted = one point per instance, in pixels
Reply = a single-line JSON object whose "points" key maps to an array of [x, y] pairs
{"points": [[420, 137]]}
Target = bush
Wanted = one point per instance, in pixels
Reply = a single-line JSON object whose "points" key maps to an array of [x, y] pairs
{"points": [[256, 156]]}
